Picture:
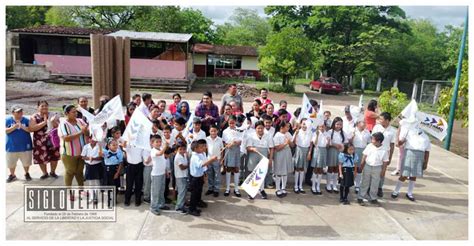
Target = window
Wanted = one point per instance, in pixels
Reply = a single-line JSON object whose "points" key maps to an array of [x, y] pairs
{"points": [[225, 62]]}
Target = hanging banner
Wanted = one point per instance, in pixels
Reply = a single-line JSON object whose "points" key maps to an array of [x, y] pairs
{"points": [[254, 181], [433, 125], [112, 111], [138, 131]]}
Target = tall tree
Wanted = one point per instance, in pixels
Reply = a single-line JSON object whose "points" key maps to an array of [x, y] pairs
{"points": [[25, 16], [287, 53], [60, 16]]}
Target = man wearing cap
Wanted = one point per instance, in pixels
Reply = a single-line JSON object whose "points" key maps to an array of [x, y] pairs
{"points": [[207, 111], [18, 143]]}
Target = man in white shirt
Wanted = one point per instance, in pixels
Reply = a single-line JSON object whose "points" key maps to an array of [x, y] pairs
{"points": [[374, 163], [390, 134]]}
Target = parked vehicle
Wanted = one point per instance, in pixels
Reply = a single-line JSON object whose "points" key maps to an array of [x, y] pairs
{"points": [[325, 84]]}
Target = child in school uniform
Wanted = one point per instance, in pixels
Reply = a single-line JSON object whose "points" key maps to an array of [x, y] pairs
{"points": [[198, 165], [147, 168], [195, 134], [113, 163], [327, 120], [134, 179], [417, 151], [320, 143], [270, 131], [302, 140], [346, 171], [90, 155], [361, 138], [181, 165], [170, 157], [282, 158], [179, 132], [373, 164], [214, 147], [390, 133], [259, 144], [336, 145], [232, 140], [159, 171]]}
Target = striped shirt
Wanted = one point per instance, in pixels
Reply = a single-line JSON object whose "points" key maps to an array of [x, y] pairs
{"points": [[73, 147]]}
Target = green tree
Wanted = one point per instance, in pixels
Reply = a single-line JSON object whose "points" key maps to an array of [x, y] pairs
{"points": [[287, 53], [25, 16], [60, 16], [462, 107], [114, 17], [246, 27]]}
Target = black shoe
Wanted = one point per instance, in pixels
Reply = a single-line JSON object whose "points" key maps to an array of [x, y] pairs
{"points": [[361, 202], [11, 178], [202, 204], [165, 208], [126, 203], [208, 192], [146, 201], [215, 193], [237, 194], [184, 211], [249, 197], [341, 200], [227, 193], [263, 194], [54, 175], [302, 191], [375, 202], [194, 213], [319, 193], [45, 176], [296, 191], [28, 177], [167, 201], [394, 195], [278, 195], [314, 192], [411, 198], [198, 210], [356, 190], [380, 192], [328, 190], [346, 202], [138, 203]]}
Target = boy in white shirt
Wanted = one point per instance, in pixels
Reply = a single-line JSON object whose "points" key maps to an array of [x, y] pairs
{"points": [[374, 163], [270, 132], [195, 134], [181, 165], [390, 134], [214, 148], [361, 138], [160, 170]]}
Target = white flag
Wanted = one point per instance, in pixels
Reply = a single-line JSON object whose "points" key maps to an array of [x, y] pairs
{"points": [[95, 130], [433, 124], [254, 181], [306, 108], [409, 112], [189, 124], [138, 131], [111, 111]]}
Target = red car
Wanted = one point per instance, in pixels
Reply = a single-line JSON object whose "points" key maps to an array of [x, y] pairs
{"points": [[325, 84]]}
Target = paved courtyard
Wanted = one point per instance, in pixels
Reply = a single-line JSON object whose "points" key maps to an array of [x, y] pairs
{"points": [[439, 213]]}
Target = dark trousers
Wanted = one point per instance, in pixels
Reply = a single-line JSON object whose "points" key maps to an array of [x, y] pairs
{"points": [[196, 191], [109, 180], [344, 192], [134, 182]]}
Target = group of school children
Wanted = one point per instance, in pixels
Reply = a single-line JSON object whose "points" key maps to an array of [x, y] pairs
{"points": [[343, 149]]}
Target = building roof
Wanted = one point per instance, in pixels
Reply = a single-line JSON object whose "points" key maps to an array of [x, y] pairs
{"points": [[225, 50], [153, 36], [61, 30]]}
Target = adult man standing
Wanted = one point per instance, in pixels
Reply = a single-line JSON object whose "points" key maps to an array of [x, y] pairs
{"points": [[145, 103], [207, 111], [264, 98], [232, 95], [18, 143]]}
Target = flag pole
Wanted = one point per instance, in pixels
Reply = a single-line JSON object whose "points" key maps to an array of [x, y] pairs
{"points": [[454, 99]]}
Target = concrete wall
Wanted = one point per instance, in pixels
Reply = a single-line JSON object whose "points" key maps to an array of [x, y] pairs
{"points": [[140, 68], [249, 63], [200, 59], [30, 72]]}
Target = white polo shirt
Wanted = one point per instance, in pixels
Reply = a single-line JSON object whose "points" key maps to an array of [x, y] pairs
{"points": [[88, 151], [323, 139], [389, 135], [361, 138], [375, 156], [180, 160], [160, 164], [254, 140], [348, 126], [135, 155], [416, 139], [214, 146], [337, 137], [303, 139]]}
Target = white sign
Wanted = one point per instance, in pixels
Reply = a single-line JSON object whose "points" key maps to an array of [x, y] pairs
{"points": [[433, 124], [138, 131], [254, 181]]}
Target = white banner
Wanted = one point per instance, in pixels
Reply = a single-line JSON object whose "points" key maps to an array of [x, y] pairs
{"points": [[138, 131], [254, 181], [96, 131], [112, 111], [306, 108], [433, 124]]}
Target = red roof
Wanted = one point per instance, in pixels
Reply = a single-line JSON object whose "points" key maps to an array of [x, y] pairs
{"points": [[78, 31], [225, 50]]}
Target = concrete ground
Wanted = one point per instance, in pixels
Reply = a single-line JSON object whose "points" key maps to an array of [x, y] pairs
{"points": [[439, 213]]}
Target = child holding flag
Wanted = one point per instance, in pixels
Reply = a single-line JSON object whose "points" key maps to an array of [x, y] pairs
{"points": [[232, 139]]}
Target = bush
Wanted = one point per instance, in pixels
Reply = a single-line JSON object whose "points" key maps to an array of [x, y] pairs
{"points": [[393, 101], [278, 88]]}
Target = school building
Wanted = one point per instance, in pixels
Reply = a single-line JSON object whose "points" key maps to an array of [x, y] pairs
{"points": [[42, 52]]}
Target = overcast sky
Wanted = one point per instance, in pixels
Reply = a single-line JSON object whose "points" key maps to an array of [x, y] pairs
{"points": [[439, 15]]}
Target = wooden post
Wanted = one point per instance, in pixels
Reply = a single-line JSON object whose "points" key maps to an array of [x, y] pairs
{"points": [[126, 69], [95, 67], [111, 57], [102, 66], [118, 48]]}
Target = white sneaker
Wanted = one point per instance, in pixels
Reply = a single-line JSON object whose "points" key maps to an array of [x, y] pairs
{"points": [[395, 173]]}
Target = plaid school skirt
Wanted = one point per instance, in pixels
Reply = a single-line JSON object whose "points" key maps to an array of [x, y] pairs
{"points": [[320, 157], [333, 157], [413, 163]]}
